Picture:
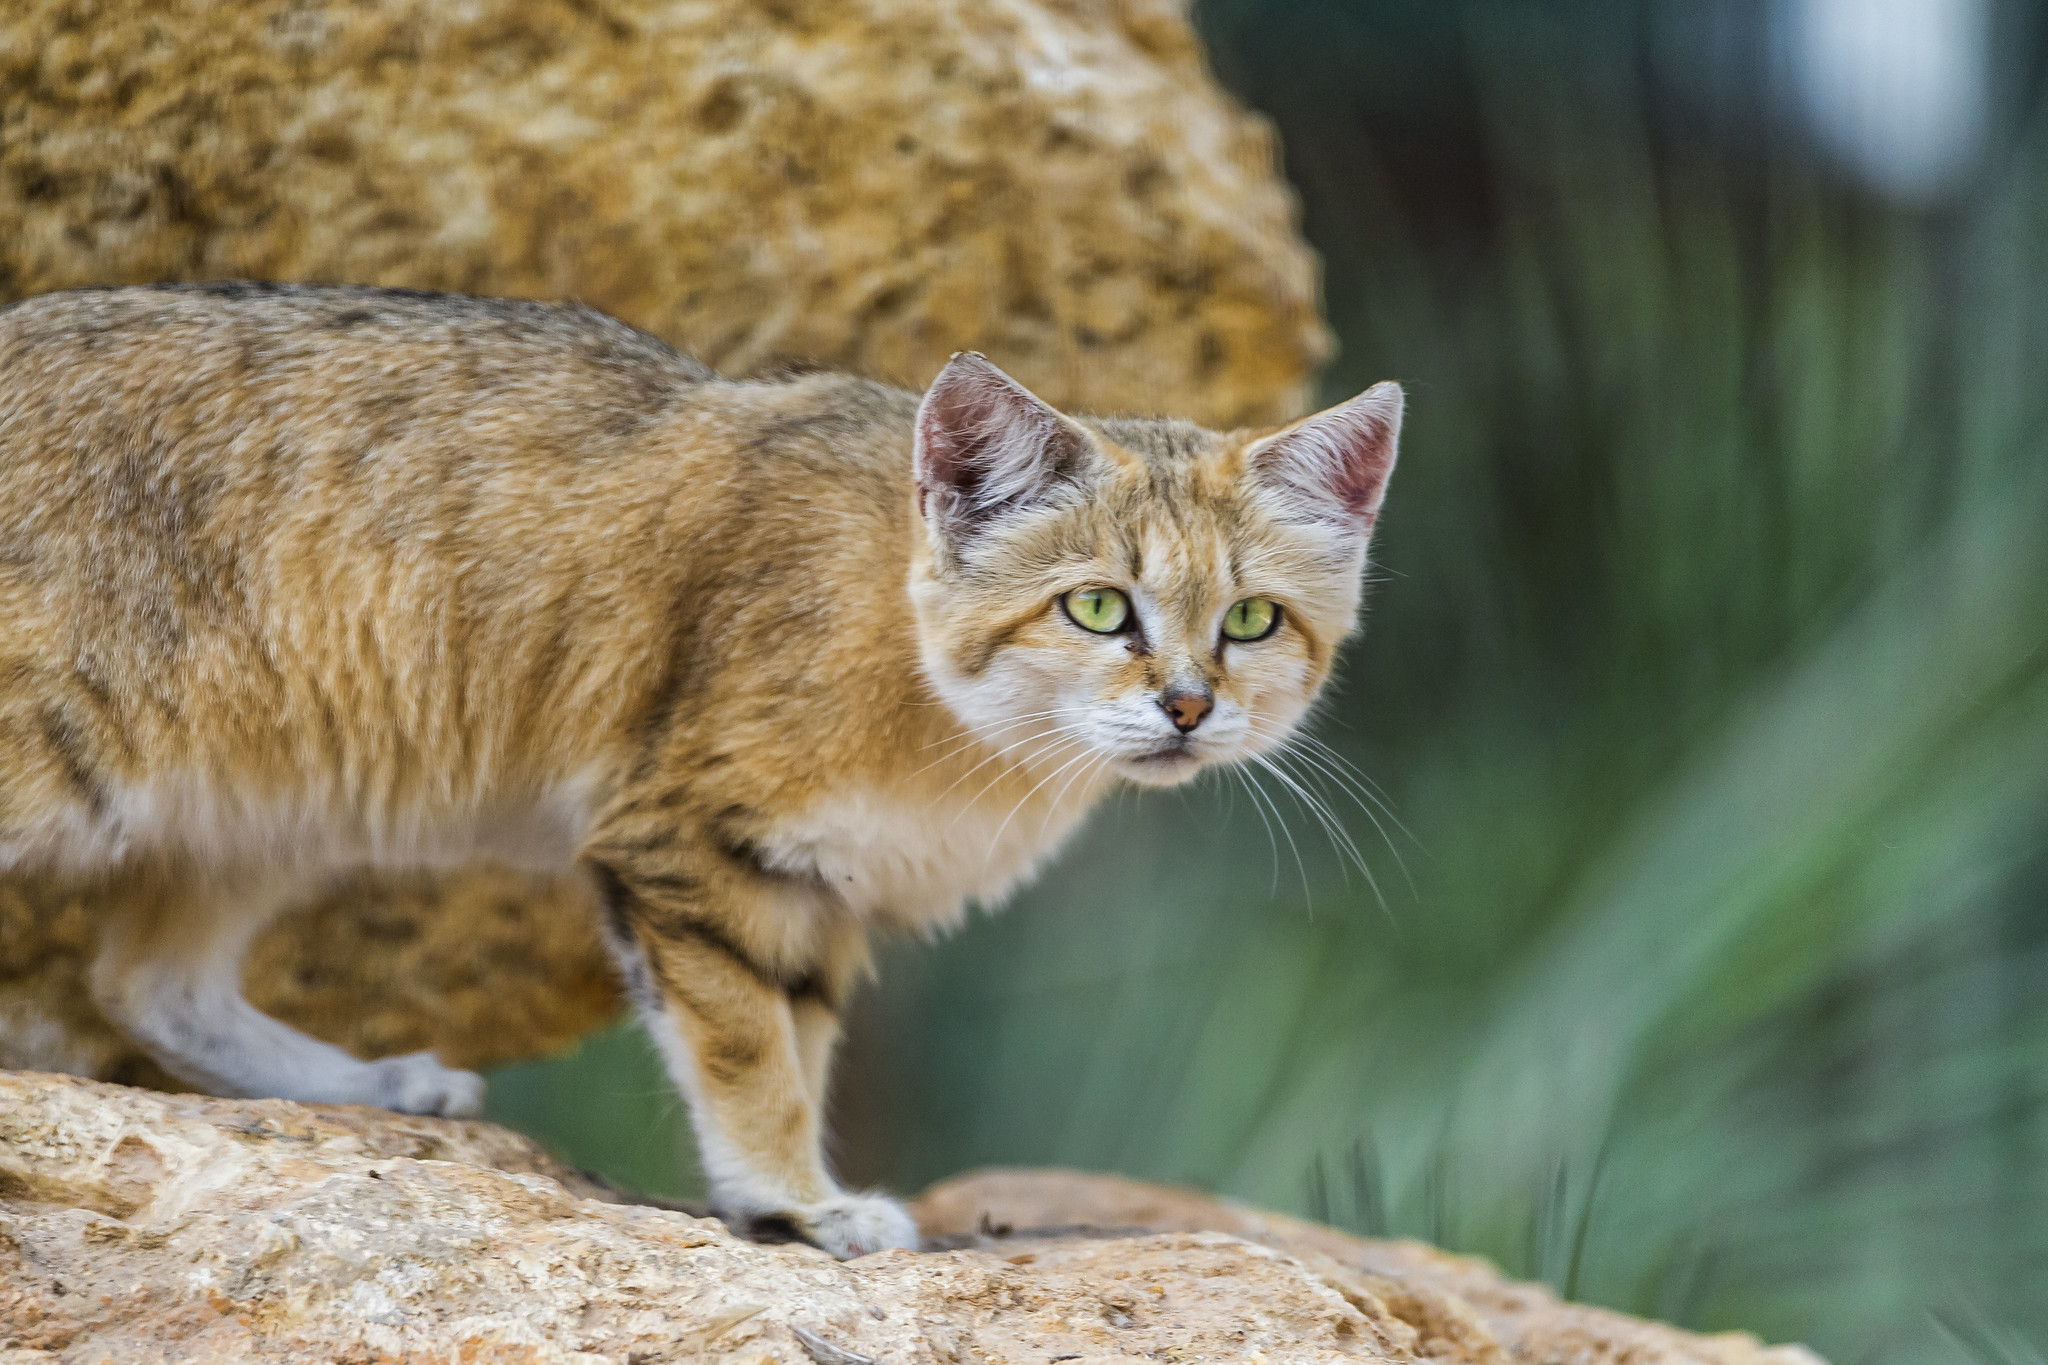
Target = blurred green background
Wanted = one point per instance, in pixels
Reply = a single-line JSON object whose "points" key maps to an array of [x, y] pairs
{"points": [[1705, 695]]}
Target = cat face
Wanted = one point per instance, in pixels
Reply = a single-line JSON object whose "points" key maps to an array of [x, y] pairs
{"points": [[1137, 599]]}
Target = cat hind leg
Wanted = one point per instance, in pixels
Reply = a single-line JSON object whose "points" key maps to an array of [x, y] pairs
{"points": [[168, 974]]}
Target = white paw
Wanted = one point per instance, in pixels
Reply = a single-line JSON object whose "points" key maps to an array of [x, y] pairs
{"points": [[855, 1224], [418, 1084]]}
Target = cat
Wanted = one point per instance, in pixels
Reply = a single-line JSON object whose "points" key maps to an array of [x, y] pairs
{"points": [[297, 580]]}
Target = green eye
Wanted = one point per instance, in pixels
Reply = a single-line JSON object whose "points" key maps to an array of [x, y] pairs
{"points": [[1252, 619], [1102, 610]]}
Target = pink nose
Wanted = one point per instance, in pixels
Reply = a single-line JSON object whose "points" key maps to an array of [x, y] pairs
{"points": [[1187, 708]]}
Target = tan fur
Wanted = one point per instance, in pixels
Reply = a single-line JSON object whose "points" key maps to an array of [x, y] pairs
{"points": [[297, 581]]}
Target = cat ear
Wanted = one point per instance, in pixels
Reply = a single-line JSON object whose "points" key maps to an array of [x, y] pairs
{"points": [[986, 445], [1335, 465]]}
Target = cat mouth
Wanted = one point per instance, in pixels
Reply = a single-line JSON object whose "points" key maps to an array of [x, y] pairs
{"points": [[1164, 763]]}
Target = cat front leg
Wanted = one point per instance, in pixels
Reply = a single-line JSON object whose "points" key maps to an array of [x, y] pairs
{"points": [[815, 1017], [168, 974], [745, 1024]]}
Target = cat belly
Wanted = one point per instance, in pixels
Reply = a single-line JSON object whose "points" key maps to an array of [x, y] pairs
{"points": [[917, 868], [216, 826]]}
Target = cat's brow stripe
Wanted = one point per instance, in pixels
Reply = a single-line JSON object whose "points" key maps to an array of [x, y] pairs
{"points": [[987, 647]]}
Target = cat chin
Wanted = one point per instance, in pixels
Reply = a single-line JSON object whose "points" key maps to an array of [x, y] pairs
{"points": [[1161, 770]]}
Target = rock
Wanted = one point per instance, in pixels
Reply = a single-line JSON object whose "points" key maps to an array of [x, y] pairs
{"points": [[872, 184], [1459, 1307], [144, 1227]]}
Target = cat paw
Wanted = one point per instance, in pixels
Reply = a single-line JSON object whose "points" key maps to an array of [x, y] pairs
{"points": [[418, 1084], [851, 1225]]}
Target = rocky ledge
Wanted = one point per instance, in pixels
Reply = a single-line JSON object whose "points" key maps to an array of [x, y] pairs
{"points": [[137, 1226]]}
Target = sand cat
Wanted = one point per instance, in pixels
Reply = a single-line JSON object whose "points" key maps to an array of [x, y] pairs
{"points": [[301, 580]]}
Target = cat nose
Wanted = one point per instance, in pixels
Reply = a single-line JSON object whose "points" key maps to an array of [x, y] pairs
{"points": [[1187, 708]]}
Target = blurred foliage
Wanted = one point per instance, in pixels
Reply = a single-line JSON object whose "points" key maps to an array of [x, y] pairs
{"points": [[1706, 975]]}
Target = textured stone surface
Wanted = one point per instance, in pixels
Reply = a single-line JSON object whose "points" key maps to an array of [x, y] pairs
{"points": [[1459, 1307], [869, 183], [144, 1227], [873, 184]]}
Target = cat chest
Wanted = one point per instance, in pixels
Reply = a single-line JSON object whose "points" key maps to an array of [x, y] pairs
{"points": [[911, 867]]}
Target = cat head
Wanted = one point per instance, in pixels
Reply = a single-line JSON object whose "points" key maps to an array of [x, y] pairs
{"points": [[1141, 598]]}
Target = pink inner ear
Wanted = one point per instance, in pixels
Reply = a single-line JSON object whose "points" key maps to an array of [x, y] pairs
{"points": [[958, 417], [985, 442], [1343, 455]]}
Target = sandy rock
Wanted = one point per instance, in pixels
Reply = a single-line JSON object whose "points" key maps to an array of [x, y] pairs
{"points": [[872, 184], [1460, 1306], [145, 1227]]}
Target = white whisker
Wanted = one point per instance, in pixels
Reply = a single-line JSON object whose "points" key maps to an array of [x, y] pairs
{"points": [[1052, 807], [1345, 783], [1258, 795], [997, 838], [1331, 827], [1348, 790], [1066, 742], [1320, 767], [1271, 839], [1366, 785], [998, 752]]}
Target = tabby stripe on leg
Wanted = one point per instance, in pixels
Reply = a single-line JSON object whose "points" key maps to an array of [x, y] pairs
{"points": [[619, 899]]}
